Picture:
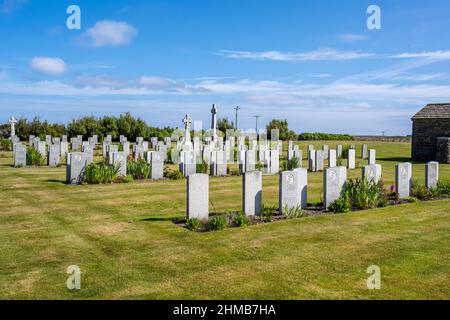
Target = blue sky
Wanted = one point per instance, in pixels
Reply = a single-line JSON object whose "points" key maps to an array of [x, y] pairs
{"points": [[314, 63]]}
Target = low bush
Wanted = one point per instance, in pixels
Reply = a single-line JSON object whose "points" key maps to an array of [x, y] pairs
{"points": [[202, 167], [420, 192], [293, 213], [217, 223], [363, 194], [173, 174], [292, 164], [233, 172], [267, 213], [98, 173], [443, 188], [139, 169], [34, 158], [240, 219], [5, 144], [341, 205], [193, 224], [324, 136]]}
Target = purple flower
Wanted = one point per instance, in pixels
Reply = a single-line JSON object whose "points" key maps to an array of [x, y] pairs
{"points": [[392, 188]]}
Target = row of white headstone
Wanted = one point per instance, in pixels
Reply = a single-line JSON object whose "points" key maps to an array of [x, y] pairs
{"points": [[293, 187]]}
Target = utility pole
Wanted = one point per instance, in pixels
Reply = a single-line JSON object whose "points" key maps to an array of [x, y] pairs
{"points": [[257, 118], [237, 108]]}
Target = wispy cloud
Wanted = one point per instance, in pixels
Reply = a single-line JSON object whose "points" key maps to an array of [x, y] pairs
{"points": [[323, 54], [441, 55], [49, 66], [109, 33], [351, 37], [8, 6]]}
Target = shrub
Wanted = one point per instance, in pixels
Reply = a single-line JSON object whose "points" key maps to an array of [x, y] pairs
{"points": [[240, 219], [193, 224], [128, 179], [324, 136], [34, 158], [411, 199], [259, 166], [443, 188], [139, 169], [267, 212], [202, 167], [363, 194], [292, 164], [5, 144], [292, 213], [420, 192], [341, 205], [100, 173], [345, 152], [217, 224], [233, 172], [173, 174]]}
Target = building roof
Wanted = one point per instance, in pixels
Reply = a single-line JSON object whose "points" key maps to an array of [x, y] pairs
{"points": [[434, 111]]}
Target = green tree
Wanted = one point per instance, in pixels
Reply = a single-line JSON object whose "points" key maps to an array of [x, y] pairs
{"points": [[224, 124], [283, 127]]}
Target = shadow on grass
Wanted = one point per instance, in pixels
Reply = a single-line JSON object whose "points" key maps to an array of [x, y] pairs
{"points": [[57, 181], [156, 219], [399, 159]]}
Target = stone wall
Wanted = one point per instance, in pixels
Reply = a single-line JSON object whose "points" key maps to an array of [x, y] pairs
{"points": [[425, 134], [443, 150]]}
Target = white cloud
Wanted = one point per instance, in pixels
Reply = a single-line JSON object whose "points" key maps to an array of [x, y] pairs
{"points": [[441, 55], [110, 33], [50, 66], [323, 54], [8, 6], [351, 37]]}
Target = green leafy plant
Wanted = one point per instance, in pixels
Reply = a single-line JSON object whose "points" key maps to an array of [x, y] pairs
{"points": [[341, 205], [193, 224], [173, 174], [240, 219], [128, 179], [34, 158], [259, 166], [217, 223], [233, 172], [139, 169], [363, 193], [98, 173], [443, 188], [5, 144], [267, 212], [420, 192], [202, 167], [292, 164], [411, 199], [293, 213]]}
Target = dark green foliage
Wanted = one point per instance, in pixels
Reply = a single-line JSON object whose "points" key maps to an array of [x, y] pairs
{"points": [[283, 127], [98, 173], [139, 169], [292, 213], [240, 219], [363, 194], [173, 174], [292, 164], [267, 212], [193, 224], [217, 223], [443, 188], [34, 158], [224, 124], [420, 192], [202, 167], [5, 144], [341, 205], [345, 152], [324, 137]]}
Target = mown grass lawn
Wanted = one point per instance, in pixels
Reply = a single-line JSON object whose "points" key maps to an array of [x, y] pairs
{"points": [[123, 239]]}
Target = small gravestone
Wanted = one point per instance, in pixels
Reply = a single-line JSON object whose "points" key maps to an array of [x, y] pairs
{"points": [[64, 148], [250, 160], [312, 160], [332, 161], [325, 149], [351, 159], [48, 139], [319, 161], [372, 172], [339, 151], [119, 160], [105, 145], [157, 164], [53, 155], [198, 196], [431, 174], [219, 164], [64, 138], [293, 189], [126, 147], [187, 163], [403, 179], [372, 156], [252, 193], [241, 161], [274, 161], [76, 163], [88, 153], [334, 180], [20, 155], [42, 148], [364, 152]]}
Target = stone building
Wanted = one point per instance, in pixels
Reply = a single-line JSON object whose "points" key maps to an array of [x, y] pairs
{"points": [[431, 133]]}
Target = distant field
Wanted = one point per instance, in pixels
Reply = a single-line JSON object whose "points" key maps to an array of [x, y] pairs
{"points": [[123, 239]]}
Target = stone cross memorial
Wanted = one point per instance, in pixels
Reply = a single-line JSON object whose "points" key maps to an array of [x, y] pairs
{"points": [[12, 121]]}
